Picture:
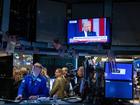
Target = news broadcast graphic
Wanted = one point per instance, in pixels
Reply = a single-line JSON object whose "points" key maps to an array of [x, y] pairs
{"points": [[92, 30]]}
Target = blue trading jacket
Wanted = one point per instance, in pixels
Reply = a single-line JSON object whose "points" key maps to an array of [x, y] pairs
{"points": [[33, 86]]}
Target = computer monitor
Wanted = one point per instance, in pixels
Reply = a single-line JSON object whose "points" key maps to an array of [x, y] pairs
{"points": [[118, 89], [121, 71]]}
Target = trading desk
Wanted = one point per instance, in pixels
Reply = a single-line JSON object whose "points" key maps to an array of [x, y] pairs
{"points": [[44, 100], [49, 102]]}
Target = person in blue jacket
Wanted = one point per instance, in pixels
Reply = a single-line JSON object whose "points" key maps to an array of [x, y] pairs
{"points": [[33, 85]]}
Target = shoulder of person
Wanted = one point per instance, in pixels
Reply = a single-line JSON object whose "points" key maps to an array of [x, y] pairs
{"points": [[43, 78], [59, 79], [64, 78], [27, 77]]}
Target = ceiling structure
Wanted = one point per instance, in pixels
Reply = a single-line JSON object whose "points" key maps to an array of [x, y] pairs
{"points": [[92, 1], [77, 1]]}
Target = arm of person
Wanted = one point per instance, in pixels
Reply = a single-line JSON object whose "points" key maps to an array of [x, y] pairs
{"points": [[55, 87], [21, 89]]}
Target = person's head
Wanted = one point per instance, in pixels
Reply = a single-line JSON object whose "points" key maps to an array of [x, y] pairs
{"points": [[80, 71], [37, 67], [16, 75], [65, 71], [56, 43], [23, 71], [44, 72], [87, 26], [58, 72]]}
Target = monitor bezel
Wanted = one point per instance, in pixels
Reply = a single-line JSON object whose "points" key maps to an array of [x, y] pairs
{"points": [[120, 63], [109, 41]]}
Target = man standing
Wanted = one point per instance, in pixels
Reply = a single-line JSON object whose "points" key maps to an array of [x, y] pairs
{"points": [[81, 89], [80, 81], [33, 85], [58, 88]]}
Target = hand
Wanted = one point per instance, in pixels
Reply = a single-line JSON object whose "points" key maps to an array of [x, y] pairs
{"points": [[19, 97], [33, 97]]}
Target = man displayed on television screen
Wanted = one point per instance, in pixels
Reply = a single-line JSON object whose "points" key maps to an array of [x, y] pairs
{"points": [[86, 30]]}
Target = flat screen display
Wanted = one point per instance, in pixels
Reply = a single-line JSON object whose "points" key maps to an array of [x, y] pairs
{"points": [[121, 71], [118, 89], [91, 30]]}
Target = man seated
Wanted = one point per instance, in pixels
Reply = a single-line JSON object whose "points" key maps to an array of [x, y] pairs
{"points": [[33, 85]]}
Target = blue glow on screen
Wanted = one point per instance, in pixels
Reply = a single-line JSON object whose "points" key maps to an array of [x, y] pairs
{"points": [[124, 71], [117, 89]]}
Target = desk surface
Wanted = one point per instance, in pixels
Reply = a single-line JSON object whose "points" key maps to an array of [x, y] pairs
{"points": [[44, 100], [49, 102]]}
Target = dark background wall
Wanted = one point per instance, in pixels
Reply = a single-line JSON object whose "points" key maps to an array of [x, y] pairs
{"points": [[125, 23], [52, 62], [87, 10], [51, 20], [124, 18], [22, 20], [44, 20]]}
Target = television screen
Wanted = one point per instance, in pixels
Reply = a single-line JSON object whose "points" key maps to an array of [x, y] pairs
{"points": [[118, 89], [93, 30], [123, 71]]}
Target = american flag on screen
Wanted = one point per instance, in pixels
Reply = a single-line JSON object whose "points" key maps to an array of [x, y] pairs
{"points": [[98, 25]]}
